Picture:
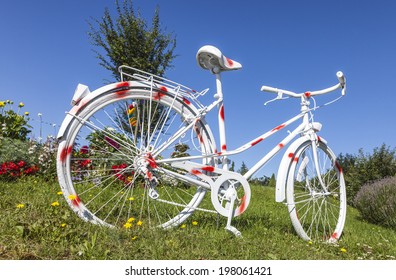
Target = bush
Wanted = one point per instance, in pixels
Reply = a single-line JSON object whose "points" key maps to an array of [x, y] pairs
{"points": [[15, 150], [364, 168], [12, 170], [13, 124], [377, 202], [20, 158]]}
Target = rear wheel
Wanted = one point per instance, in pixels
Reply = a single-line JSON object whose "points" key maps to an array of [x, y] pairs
{"points": [[108, 159], [316, 202]]}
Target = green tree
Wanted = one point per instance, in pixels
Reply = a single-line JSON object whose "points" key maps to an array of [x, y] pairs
{"points": [[272, 181], [127, 40], [243, 168], [180, 151], [232, 168], [260, 181]]}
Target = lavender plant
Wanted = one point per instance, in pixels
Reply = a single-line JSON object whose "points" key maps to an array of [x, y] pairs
{"points": [[376, 202]]}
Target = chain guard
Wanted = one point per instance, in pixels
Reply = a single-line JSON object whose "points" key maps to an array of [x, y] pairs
{"points": [[224, 188], [223, 185]]}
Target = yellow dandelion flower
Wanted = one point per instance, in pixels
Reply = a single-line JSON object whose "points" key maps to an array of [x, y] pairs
{"points": [[63, 225], [131, 198], [2, 104], [139, 223], [26, 113], [343, 250], [194, 223], [55, 203], [183, 226], [21, 105], [127, 225], [59, 193], [130, 220], [310, 242], [134, 238], [72, 197], [20, 205]]}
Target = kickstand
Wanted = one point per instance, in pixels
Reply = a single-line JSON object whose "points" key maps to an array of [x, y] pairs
{"points": [[229, 227]]}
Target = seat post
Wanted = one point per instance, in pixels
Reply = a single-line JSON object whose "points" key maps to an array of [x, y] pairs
{"points": [[221, 118]]}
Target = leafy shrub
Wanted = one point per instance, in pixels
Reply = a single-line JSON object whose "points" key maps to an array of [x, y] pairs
{"points": [[12, 170], [15, 150], [20, 158], [46, 156], [364, 168], [377, 202], [13, 124]]}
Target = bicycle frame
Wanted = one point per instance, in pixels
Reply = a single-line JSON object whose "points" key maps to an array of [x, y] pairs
{"points": [[168, 188], [304, 127]]}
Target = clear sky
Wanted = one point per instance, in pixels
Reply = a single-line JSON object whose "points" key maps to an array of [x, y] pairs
{"points": [[298, 45]]}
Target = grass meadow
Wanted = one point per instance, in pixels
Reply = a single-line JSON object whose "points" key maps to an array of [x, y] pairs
{"points": [[37, 224]]}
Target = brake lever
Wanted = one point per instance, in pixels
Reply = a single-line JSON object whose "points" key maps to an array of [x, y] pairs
{"points": [[279, 97]]}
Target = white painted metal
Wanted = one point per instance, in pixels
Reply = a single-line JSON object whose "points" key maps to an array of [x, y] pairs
{"points": [[224, 183]]}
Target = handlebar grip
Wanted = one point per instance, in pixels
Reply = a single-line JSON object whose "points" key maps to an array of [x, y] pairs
{"points": [[342, 80], [269, 89]]}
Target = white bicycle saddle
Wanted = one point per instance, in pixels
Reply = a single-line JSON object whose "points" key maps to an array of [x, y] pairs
{"points": [[211, 58]]}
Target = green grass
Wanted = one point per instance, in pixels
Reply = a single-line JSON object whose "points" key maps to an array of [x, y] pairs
{"points": [[42, 231]]}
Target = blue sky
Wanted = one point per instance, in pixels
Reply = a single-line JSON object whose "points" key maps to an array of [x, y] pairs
{"points": [[298, 45]]}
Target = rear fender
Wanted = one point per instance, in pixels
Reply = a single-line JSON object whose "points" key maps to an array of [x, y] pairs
{"points": [[83, 96]]}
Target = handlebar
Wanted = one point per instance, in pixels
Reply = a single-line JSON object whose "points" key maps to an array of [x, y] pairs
{"points": [[342, 80], [280, 92]]}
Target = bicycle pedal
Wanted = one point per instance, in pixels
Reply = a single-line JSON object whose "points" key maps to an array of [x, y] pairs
{"points": [[234, 231], [153, 194]]}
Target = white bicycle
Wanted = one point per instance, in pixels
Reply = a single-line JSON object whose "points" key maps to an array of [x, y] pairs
{"points": [[139, 153]]}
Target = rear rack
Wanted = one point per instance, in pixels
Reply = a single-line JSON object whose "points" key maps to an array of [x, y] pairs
{"points": [[128, 73]]}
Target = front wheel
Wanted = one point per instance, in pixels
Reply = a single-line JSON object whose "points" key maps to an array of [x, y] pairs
{"points": [[316, 195]]}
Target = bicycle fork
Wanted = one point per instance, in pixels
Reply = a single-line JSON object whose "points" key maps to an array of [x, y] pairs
{"points": [[317, 167], [305, 161]]}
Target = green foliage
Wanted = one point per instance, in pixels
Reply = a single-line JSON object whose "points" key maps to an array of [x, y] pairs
{"points": [[272, 181], [15, 150], [376, 202], [13, 124], [232, 167], [180, 151], [363, 168], [21, 158], [243, 168], [126, 40], [260, 181]]}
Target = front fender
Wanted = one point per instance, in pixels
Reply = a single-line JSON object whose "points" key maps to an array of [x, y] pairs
{"points": [[288, 157]]}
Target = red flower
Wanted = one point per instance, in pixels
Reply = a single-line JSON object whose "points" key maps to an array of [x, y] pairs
{"points": [[84, 150], [12, 166], [112, 142], [85, 162], [31, 170]]}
